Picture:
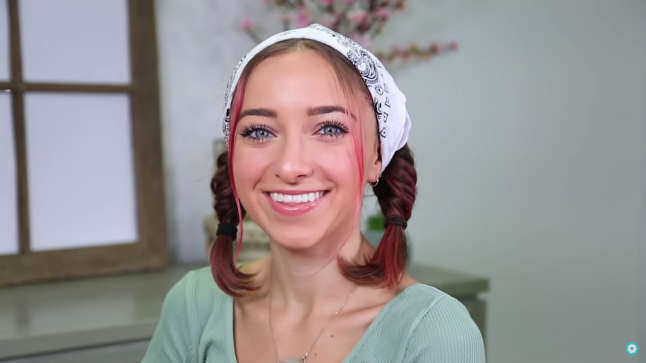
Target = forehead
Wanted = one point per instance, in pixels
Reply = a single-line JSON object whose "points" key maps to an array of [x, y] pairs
{"points": [[293, 78]]}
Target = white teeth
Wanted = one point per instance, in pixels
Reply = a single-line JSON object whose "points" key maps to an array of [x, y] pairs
{"points": [[300, 198]]}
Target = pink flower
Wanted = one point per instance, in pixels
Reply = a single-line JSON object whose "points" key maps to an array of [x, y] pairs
{"points": [[383, 13], [348, 2], [363, 40], [327, 20], [399, 4], [247, 23], [303, 18], [397, 50], [358, 16], [326, 2]]}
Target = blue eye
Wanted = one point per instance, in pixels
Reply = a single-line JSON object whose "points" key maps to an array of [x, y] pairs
{"points": [[332, 129], [259, 134], [256, 133]]}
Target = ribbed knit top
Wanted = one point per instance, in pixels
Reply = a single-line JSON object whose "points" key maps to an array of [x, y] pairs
{"points": [[420, 325]]}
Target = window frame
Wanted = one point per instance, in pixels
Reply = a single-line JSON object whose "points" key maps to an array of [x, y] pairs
{"points": [[150, 251]]}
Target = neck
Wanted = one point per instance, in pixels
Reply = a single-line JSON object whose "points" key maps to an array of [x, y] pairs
{"points": [[303, 280]]}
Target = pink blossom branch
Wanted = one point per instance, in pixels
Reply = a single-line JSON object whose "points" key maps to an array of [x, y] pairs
{"points": [[361, 20], [247, 26], [415, 52]]}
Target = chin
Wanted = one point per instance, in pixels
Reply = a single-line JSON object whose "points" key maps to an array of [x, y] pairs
{"points": [[296, 237]]}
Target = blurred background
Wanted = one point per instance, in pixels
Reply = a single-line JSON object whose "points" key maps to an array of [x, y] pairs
{"points": [[529, 125]]}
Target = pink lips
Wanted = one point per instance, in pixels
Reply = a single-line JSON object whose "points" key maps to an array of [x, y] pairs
{"points": [[294, 209]]}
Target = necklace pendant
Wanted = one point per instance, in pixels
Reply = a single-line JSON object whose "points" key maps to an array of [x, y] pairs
{"points": [[299, 360]]}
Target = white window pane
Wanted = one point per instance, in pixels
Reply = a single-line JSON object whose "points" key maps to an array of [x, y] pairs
{"points": [[75, 41], [8, 184], [80, 165], [4, 42]]}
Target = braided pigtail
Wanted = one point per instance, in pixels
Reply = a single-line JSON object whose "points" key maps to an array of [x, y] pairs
{"points": [[223, 267], [395, 191]]}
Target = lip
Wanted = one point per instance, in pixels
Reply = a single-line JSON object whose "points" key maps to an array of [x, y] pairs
{"points": [[294, 209]]}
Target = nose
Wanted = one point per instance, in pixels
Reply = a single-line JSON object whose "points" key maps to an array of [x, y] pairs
{"points": [[293, 161]]}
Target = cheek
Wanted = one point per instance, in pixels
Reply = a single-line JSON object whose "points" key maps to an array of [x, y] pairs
{"points": [[245, 176], [338, 163]]}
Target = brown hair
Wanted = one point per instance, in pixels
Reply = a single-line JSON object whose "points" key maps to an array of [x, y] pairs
{"points": [[395, 191]]}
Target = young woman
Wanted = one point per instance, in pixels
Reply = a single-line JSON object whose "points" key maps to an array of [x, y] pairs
{"points": [[310, 119]]}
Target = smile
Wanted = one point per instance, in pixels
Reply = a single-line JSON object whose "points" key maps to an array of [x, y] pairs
{"points": [[296, 198], [295, 204]]}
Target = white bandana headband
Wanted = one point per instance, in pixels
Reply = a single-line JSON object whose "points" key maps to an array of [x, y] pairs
{"points": [[388, 101]]}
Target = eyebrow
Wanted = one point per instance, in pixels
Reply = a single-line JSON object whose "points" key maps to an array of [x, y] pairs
{"points": [[265, 112], [321, 110], [311, 111]]}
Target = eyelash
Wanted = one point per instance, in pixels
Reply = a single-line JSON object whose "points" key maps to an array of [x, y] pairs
{"points": [[250, 129]]}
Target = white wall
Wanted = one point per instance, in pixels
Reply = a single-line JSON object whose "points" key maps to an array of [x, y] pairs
{"points": [[529, 152], [531, 142], [641, 307]]}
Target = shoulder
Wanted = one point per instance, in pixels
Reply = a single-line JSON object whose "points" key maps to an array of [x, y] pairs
{"points": [[198, 282], [415, 302], [422, 324], [198, 294], [443, 330], [193, 302], [189, 305]]}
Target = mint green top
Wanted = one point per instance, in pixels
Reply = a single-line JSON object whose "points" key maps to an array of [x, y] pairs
{"points": [[422, 324]]}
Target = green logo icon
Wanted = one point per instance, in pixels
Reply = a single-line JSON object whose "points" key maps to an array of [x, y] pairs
{"points": [[632, 348]]}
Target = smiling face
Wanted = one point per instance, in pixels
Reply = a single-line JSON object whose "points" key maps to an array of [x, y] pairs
{"points": [[295, 162]]}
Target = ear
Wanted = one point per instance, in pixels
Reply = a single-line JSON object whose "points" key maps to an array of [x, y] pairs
{"points": [[374, 163]]}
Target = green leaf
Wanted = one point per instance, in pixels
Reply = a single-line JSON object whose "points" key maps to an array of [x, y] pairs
{"points": [[376, 222]]}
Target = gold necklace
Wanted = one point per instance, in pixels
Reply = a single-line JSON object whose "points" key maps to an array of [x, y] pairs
{"points": [[304, 358]]}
